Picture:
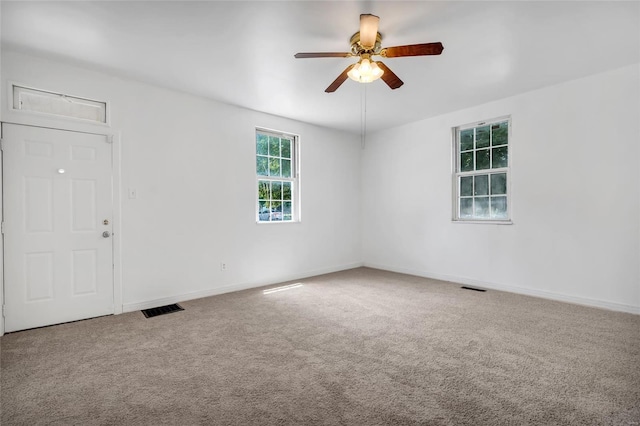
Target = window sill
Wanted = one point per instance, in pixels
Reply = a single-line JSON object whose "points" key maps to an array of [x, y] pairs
{"points": [[277, 222], [484, 222]]}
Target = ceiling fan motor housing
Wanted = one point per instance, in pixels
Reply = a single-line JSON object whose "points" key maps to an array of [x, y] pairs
{"points": [[357, 49]]}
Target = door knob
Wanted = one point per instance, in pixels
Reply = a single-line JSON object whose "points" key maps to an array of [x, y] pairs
{"points": [[106, 234]]}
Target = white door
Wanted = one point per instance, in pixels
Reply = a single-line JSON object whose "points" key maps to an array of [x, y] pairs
{"points": [[58, 250]]}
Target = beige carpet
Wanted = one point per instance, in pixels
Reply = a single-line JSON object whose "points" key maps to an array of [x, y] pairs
{"points": [[360, 347]]}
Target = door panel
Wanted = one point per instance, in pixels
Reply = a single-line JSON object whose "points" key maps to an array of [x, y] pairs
{"points": [[38, 204], [83, 202], [39, 276], [57, 195]]}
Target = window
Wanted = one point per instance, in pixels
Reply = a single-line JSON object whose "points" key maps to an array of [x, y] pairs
{"points": [[481, 179], [277, 177], [40, 101]]}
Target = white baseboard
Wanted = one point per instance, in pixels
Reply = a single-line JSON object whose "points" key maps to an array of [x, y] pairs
{"points": [[137, 306], [512, 289]]}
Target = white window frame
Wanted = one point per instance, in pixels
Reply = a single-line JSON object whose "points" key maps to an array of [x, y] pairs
{"points": [[457, 174], [16, 89], [294, 179]]}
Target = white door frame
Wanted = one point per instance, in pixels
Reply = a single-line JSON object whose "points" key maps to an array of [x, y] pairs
{"points": [[114, 137]]}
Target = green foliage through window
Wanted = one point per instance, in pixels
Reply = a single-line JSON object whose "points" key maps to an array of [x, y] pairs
{"points": [[482, 170], [275, 169]]}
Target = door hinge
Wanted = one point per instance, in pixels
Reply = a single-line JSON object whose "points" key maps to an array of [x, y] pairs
{"points": [[3, 311], [1, 144], [2, 227]]}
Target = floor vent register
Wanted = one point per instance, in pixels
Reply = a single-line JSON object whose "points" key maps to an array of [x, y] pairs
{"points": [[162, 310], [474, 289]]}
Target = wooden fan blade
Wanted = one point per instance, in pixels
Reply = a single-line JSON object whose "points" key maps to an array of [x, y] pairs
{"points": [[324, 55], [413, 50], [338, 81], [389, 77], [368, 30]]}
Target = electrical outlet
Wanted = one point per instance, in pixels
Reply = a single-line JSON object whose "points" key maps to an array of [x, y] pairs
{"points": [[223, 266]]}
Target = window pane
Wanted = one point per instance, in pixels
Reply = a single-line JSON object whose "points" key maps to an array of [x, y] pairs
{"points": [[482, 159], [499, 183], [500, 157], [262, 145], [499, 207], [466, 186], [274, 146], [276, 190], [482, 207], [286, 148], [481, 185], [466, 162], [262, 165], [286, 208], [274, 167], [286, 168], [466, 207], [276, 210], [482, 137], [466, 140], [286, 190], [264, 190], [500, 134], [263, 211]]}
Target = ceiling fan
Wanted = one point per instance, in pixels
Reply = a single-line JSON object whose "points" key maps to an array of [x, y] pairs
{"points": [[367, 43]]}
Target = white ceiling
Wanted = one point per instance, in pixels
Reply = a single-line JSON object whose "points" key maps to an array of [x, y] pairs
{"points": [[241, 52]]}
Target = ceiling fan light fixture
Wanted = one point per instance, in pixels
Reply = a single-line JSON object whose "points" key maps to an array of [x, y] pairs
{"points": [[367, 43], [365, 67], [365, 71]]}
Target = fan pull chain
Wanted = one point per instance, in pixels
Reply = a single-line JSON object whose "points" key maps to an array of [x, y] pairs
{"points": [[363, 116]]}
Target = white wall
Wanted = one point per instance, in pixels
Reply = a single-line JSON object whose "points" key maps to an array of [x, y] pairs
{"points": [[575, 201], [574, 150], [192, 162]]}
